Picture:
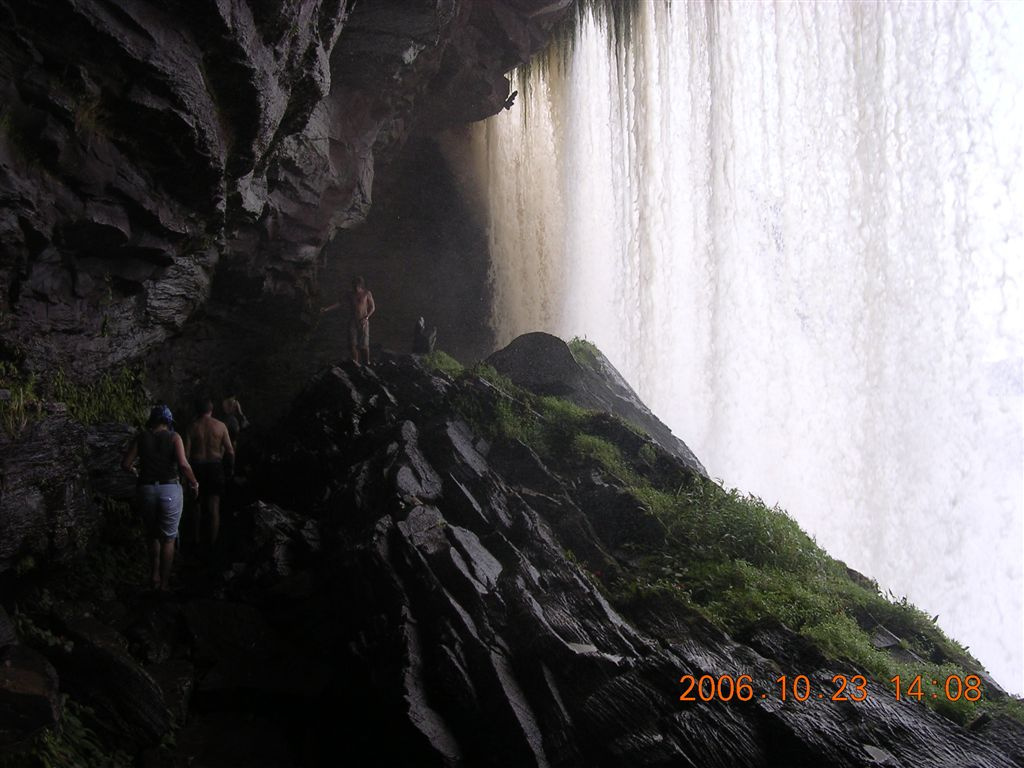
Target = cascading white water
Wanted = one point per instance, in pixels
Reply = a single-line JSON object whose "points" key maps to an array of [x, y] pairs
{"points": [[798, 230]]}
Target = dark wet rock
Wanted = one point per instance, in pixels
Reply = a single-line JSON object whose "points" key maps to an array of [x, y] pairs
{"points": [[46, 510], [541, 363], [1005, 733], [412, 476], [405, 383], [544, 364], [883, 639], [52, 474], [272, 544], [224, 630], [176, 678], [230, 740], [479, 636], [618, 518], [99, 671], [522, 467], [105, 444], [234, 646], [8, 634], [155, 630], [773, 639], [29, 697]]}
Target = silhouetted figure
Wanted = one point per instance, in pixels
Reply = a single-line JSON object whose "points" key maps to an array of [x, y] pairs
{"points": [[212, 454], [511, 99], [161, 456], [234, 419], [423, 342]]}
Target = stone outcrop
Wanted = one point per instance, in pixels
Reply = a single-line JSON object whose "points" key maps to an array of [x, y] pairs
{"points": [[545, 365], [162, 163]]}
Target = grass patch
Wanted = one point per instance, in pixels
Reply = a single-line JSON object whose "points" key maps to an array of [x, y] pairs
{"points": [[20, 404], [442, 362], [740, 561], [584, 351], [116, 396], [552, 426], [605, 453], [72, 742], [489, 374], [840, 637]]}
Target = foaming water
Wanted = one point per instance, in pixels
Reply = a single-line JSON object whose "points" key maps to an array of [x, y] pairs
{"points": [[798, 230]]}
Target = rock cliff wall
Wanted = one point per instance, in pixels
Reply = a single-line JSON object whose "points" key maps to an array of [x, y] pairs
{"points": [[171, 165]]}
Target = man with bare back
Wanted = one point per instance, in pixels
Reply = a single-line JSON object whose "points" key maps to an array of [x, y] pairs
{"points": [[209, 449], [361, 306]]}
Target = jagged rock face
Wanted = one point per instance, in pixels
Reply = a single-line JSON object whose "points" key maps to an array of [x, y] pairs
{"points": [[148, 149], [397, 590], [462, 624]]}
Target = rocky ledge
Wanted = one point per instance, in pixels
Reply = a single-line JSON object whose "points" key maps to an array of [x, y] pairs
{"points": [[404, 580]]}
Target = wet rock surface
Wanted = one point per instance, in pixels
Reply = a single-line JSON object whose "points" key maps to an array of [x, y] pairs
{"points": [[29, 696], [46, 509], [393, 588], [171, 170], [96, 668]]}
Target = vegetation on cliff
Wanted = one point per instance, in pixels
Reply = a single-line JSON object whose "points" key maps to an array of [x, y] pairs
{"points": [[117, 395], [723, 554]]}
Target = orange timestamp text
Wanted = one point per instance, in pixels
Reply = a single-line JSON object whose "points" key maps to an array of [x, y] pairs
{"points": [[799, 688]]}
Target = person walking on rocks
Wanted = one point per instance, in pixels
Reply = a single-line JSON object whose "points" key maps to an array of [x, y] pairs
{"points": [[234, 419], [361, 307], [161, 456], [209, 447]]}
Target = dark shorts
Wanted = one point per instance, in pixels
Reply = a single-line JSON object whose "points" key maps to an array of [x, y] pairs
{"points": [[210, 476]]}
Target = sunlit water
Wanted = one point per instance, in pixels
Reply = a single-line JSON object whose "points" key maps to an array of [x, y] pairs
{"points": [[796, 228]]}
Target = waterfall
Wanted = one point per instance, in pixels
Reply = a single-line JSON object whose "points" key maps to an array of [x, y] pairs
{"points": [[797, 228]]}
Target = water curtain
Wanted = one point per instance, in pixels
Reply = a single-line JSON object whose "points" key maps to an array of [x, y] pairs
{"points": [[797, 229]]}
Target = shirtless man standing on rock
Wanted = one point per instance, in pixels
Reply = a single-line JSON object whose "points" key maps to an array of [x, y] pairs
{"points": [[209, 448], [361, 306]]}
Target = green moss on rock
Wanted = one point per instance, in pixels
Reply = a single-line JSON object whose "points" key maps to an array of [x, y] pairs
{"points": [[724, 555]]}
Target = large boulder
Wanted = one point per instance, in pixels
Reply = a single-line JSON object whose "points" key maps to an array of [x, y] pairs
{"points": [[544, 364]]}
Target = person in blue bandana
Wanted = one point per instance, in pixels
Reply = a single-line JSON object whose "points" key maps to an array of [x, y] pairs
{"points": [[161, 455]]}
